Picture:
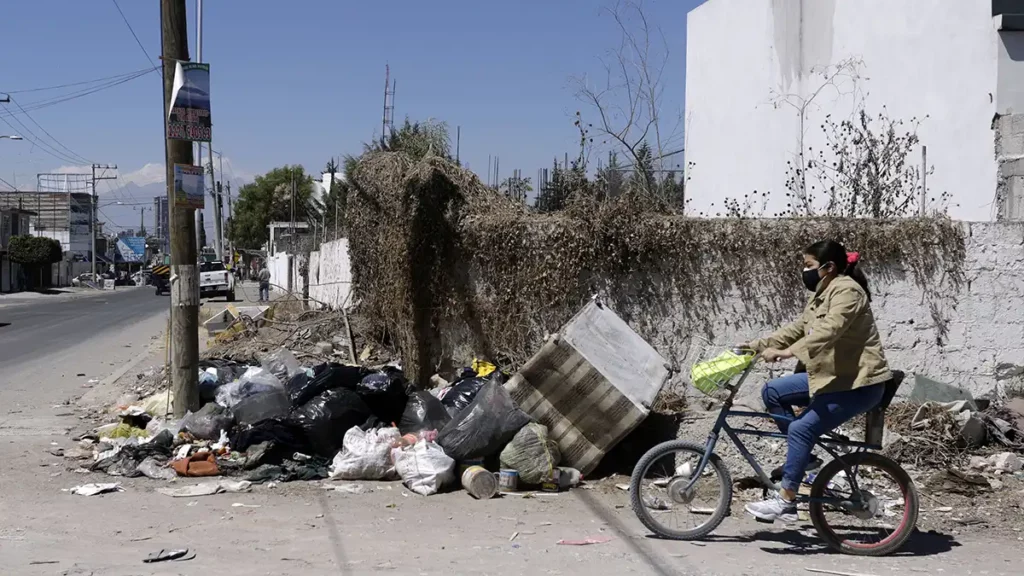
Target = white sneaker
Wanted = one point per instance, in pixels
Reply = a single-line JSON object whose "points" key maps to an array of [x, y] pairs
{"points": [[772, 509]]}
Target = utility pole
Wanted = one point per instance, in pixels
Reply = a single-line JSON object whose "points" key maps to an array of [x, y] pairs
{"points": [[200, 221], [218, 245], [184, 260], [231, 246], [219, 192], [92, 210], [142, 221]]}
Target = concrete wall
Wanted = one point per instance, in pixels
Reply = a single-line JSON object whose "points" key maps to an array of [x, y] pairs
{"points": [[281, 276], [330, 275], [969, 332], [971, 336], [938, 58]]}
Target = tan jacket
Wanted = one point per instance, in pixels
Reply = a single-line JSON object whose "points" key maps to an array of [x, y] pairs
{"points": [[835, 338]]}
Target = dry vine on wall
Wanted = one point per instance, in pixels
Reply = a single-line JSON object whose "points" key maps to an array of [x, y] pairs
{"points": [[444, 264]]}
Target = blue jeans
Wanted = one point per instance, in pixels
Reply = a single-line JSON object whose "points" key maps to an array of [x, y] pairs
{"points": [[823, 413], [264, 291]]}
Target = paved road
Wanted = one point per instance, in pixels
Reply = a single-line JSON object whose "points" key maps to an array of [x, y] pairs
{"points": [[31, 330]]}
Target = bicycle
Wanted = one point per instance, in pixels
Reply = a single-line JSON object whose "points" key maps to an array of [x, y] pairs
{"points": [[847, 485]]}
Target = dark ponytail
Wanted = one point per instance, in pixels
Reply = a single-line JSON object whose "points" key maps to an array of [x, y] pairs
{"points": [[829, 251]]}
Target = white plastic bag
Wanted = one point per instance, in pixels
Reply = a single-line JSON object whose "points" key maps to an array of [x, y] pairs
{"points": [[424, 467], [282, 364], [365, 455], [256, 380]]}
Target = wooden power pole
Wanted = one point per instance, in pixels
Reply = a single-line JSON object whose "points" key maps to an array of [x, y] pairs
{"points": [[184, 257]]}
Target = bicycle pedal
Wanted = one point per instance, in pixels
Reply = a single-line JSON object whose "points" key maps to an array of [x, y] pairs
{"points": [[763, 521]]}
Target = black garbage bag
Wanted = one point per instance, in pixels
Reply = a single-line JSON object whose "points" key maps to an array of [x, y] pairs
{"points": [[227, 371], [263, 406], [207, 423], [127, 460], [385, 393], [423, 412], [302, 387], [325, 419], [484, 427], [464, 374], [286, 436], [462, 394]]}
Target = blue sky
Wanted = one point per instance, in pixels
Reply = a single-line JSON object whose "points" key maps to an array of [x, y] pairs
{"points": [[302, 81]]}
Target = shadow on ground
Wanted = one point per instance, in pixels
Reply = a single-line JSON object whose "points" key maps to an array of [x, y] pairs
{"points": [[800, 543], [654, 430]]}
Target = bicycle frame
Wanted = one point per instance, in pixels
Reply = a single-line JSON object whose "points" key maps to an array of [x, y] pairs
{"points": [[721, 424]]}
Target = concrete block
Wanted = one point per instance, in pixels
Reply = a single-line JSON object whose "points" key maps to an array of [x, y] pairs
{"points": [[928, 390], [1006, 462]]}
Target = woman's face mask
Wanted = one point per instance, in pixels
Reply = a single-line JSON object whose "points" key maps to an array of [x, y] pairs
{"points": [[811, 277]]}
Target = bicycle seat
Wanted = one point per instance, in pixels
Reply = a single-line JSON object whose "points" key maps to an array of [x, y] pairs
{"points": [[874, 420]]}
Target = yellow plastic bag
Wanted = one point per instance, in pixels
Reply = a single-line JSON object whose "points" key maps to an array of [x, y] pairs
{"points": [[483, 368], [712, 375]]}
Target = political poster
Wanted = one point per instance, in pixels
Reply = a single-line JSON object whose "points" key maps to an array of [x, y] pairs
{"points": [[132, 248], [189, 191], [189, 116]]}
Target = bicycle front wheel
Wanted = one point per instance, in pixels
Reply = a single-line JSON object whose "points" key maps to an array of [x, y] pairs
{"points": [[874, 514], [658, 494]]}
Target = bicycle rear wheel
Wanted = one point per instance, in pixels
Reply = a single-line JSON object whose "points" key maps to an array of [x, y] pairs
{"points": [[874, 520], [659, 499]]}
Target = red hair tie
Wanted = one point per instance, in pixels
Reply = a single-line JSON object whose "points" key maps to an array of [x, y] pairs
{"points": [[852, 257]]}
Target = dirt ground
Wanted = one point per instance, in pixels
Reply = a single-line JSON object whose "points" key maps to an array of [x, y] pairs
{"points": [[300, 528]]}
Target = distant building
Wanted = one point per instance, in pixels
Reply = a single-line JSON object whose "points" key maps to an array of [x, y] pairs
{"points": [[956, 66], [62, 216], [13, 222], [162, 223], [287, 237]]}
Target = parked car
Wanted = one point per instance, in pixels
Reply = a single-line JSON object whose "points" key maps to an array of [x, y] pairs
{"points": [[215, 280], [82, 279]]}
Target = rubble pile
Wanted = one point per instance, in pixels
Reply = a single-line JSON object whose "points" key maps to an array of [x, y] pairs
{"points": [[281, 419]]}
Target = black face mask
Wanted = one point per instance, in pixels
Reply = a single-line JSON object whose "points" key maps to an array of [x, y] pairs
{"points": [[811, 278]]}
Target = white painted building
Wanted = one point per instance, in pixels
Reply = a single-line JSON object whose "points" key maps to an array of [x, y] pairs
{"points": [[958, 62]]}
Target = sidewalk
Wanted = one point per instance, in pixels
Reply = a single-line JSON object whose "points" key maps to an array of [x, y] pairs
{"points": [[56, 295]]}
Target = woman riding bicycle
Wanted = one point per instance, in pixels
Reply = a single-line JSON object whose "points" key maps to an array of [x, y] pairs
{"points": [[836, 340]]}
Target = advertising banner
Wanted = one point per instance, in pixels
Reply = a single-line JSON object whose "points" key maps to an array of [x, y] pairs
{"points": [[189, 191], [189, 117], [132, 249]]}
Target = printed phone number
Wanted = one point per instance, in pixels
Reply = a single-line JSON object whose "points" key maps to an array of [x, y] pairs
{"points": [[181, 131]]}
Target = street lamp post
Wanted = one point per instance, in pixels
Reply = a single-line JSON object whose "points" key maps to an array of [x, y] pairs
{"points": [[10, 137]]}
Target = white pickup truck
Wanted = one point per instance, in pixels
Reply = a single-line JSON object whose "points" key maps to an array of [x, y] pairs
{"points": [[216, 280]]}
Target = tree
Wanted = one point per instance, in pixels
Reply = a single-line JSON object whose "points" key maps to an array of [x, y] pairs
{"points": [[869, 170], [414, 138], [611, 179], [35, 253], [268, 199], [841, 80], [516, 188], [564, 185], [35, 250], [643, 180], [630, 105]]}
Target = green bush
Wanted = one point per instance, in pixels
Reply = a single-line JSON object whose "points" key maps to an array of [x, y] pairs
{"points": [[34, 250]]}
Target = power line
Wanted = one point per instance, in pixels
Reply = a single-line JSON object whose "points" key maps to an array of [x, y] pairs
{"points": [[43, 145], [137, 41], [83, 159], [9, 185], [82, 83], [39, 104]]}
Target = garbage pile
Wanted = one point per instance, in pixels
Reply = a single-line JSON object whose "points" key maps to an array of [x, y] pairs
{"points": [[963, 446], [280, 421]]}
